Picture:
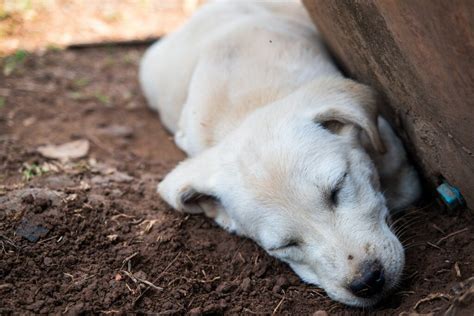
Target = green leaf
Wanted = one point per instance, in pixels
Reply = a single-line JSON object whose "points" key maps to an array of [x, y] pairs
{"points": [[31, 171], [13, 61], [104, 99], [81, 82]]}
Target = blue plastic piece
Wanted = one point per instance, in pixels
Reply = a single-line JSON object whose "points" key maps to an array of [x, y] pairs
{"points": [[450, 195]]}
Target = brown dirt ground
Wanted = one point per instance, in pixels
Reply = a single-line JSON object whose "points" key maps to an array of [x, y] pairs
{"points": [[114, 247], [33, 25]]}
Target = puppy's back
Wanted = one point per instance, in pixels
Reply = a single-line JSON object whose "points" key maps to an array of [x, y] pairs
{"points": [[167, 67]]}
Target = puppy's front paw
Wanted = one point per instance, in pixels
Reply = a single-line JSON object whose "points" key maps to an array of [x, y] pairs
{"points": [[180, 196]]}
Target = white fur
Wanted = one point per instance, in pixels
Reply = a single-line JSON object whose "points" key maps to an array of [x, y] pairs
{"points": [[271, 126]]}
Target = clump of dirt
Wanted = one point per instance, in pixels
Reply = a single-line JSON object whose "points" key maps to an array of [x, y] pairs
{"points": [[108, 244]]}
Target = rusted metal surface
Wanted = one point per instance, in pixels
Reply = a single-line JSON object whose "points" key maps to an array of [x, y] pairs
{"points": [[420, 55]]}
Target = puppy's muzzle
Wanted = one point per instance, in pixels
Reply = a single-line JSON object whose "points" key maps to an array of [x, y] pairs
{"points": [[369, 281]]}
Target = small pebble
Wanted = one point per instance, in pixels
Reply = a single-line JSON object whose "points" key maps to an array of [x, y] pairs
{"points": [[141, 275], [245, 285], [169, 305], [224, 287], [30, 230], [195, 311], [47, 261], [281, 283]]}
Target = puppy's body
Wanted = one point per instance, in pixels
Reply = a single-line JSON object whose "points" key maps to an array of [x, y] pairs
{"points": [[280, 144], [227, 61]]}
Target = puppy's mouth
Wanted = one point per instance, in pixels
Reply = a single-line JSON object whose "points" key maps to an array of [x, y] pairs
{"points": [[350, 299], [366, 302]]}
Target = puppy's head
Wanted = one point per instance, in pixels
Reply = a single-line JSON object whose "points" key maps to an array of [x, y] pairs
{"points": [[295, 178]]}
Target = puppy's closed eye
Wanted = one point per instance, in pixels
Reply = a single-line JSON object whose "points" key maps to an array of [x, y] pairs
{"points": [[334, 196], [290, 243]]}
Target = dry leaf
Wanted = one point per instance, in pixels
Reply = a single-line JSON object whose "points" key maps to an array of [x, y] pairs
{"points": [[72, 150], [84, 186], [112, 237]]}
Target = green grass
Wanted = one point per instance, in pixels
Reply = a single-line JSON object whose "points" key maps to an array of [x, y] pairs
{"points": [[12, 62], [54, 48], [3, 102], [77, 96], [80, 83], [31, 171], [130, 59], [102, 98]]}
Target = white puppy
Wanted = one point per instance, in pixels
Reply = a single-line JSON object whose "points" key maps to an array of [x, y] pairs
{"points": [[284, 149]]}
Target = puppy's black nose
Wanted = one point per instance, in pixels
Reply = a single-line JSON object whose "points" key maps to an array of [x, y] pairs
{"points": [[369, 282]]}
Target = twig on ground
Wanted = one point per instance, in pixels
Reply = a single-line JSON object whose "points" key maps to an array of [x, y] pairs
{"points": [[136, 279], [127, 261], [9, 241], [96, 141], [190, 260], [115, 217], [69, 275], [129, 288], [237, 252], [86, 278], [112, 311], [77, 281], [317, 293], [458, 271], [149, 225], [431, 297], [157, 278], [46, 240], [251, 311], [193, 280], [278, 305], [438, 229], [452, 234], [256, 260], [433, 245], [332, 307], [6, 286]]}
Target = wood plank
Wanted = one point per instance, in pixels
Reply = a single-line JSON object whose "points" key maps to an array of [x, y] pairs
{"points": [[420, 56]]}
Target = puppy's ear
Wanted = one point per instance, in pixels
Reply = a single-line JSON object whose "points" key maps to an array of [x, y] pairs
{"points": [[187, 188], [345, 102]]}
